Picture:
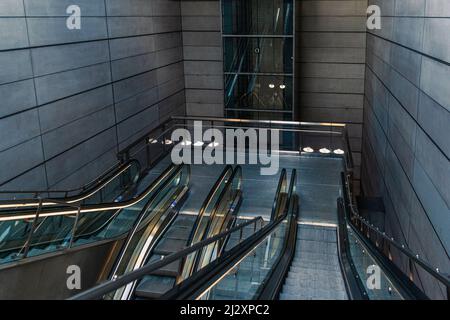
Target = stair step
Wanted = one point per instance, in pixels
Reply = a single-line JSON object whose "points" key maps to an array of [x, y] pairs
{"points": [[153, 287]]}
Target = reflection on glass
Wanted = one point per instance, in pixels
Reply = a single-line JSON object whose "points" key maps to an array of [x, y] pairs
{"points": [[363, 261], [245, 280], [265, 55], [258, 92], [257, 16], [258, 57]]}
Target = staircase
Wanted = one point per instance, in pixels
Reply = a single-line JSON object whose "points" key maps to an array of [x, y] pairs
{"points": [[315, 272]]}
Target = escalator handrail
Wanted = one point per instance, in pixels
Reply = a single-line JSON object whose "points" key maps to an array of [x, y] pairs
{"points": [[282, 183], [246, 246], [109, 286], [87, 190], [271, 288], [406, 288], [236, 174], [353, 284], [200, 282], [90, 208], [79, 210], [208, 200], [137, 224], [227, 171], [353, 214]]}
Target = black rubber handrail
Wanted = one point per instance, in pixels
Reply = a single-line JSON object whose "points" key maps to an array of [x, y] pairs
{"points": [[144, 217], [237, 174], [228, 170], [406, 288], [271, 288], [282, 184], [353, 284], [200, 282], [352, 215], [89, 208], [174, 170], [99, 291], [224, 177], [243, 248], [93, 187]]}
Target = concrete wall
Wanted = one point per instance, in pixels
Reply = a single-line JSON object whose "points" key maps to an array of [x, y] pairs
{"points": [[203, 58], [406, 145], [330, 53], [70, 99]]}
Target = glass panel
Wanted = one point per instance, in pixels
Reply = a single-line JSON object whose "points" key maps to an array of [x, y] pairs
{"points": [[362, 261], [13, 235], [267, 55], [257, 16], [257, 115], [258, 92], [202, 226], [55, 232], [223, 219], [245, 280]]}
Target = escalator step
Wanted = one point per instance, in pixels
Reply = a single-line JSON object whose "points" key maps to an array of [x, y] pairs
{"points": [[184, 220], [315, 258], [327, 248], [176, 232], [171, 270], [298, 267], [152, 287], [315, 233], [167, 246]]}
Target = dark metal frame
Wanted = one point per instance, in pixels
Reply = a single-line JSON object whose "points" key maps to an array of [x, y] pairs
{"points": [[271, 288], [407, 288]]}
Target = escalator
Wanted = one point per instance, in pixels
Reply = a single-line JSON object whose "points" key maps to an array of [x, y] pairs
{"points": [[274, 260], [27, 233], [182, 264], [179, 228], [314, 263], [115, 185]]}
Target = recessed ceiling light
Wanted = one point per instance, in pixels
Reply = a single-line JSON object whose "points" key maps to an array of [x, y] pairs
{"points": [[325, 150], [271, 86], [282, 86], [338, 151], [308, 149]]}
